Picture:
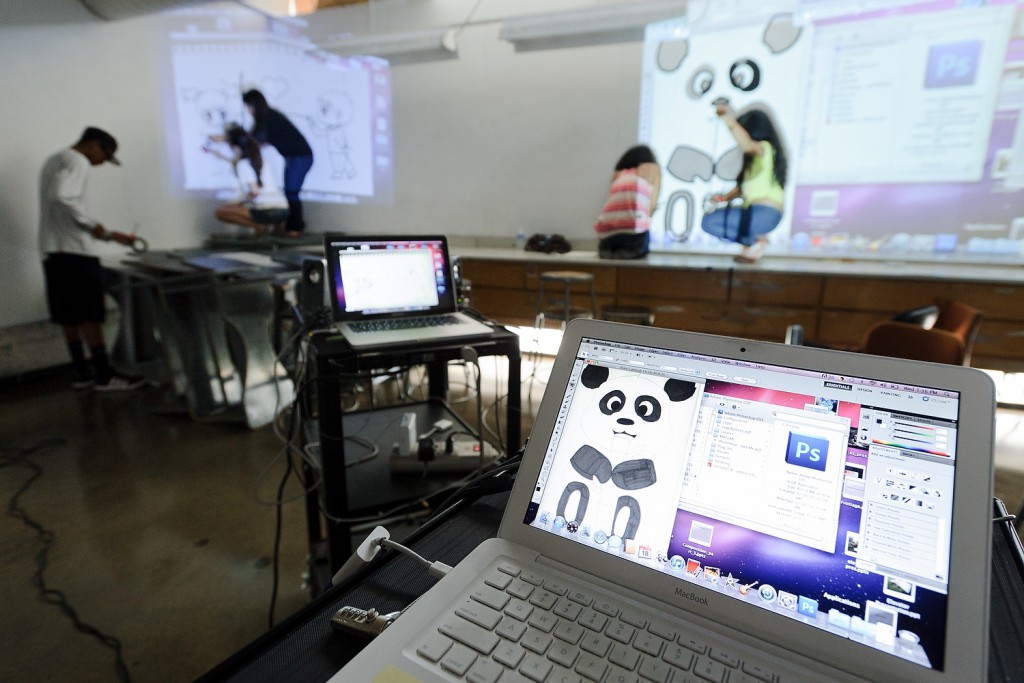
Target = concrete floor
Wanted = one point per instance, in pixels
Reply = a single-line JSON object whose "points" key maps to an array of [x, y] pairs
{"points": [[162, 535], [163, 529]]}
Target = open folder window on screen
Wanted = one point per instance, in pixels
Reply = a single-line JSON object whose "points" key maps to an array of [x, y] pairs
{"points": [[395, 290]]}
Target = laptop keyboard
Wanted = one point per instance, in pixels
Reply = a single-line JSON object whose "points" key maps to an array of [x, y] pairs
{"points": [[520, 625], [404, 323]]}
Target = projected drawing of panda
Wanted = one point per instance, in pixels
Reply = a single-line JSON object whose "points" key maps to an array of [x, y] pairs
{"points": [[633, 433], [734, 65]]}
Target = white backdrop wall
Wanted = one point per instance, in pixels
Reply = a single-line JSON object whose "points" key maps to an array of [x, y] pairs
{"points": [[486, 145]]}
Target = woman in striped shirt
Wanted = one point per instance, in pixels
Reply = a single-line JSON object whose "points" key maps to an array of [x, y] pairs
{"points": [[622, 227]]}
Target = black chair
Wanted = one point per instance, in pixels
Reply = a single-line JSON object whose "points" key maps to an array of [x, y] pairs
{"points": [[922, 316]]}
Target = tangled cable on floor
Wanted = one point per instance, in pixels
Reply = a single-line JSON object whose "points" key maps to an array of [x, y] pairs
{"points": [[23, 458]]}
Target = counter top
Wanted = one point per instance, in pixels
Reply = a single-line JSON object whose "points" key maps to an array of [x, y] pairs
{"points": [[1007, 273]]}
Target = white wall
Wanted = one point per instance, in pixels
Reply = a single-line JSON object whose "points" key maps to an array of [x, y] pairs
{"points": [[485, 145]]}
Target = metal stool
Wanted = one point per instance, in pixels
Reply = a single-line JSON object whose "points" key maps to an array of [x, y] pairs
{"points": [[637, 315], [561, 308]]}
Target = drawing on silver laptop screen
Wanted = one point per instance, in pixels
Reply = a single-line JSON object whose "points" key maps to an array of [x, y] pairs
{"points": [[379, 278], [823, 498]]}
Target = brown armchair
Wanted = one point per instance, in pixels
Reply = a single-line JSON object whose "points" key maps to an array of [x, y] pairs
{"points": [[905, 340], [913, 334], [962, 320]]}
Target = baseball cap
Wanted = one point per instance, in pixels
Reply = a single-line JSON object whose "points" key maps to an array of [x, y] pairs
{"points": [[107, 142]]}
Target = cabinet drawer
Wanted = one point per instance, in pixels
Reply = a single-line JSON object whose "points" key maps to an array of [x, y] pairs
{"points": [[846, 328], [994, 301], [761, 322], [999, 338], [749, 322], [494, 273], [774, 288], [673, 283], [504, 305], [887, 296]]}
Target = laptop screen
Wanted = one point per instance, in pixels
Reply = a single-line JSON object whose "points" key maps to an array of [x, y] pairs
{"points": [[385, 277], [826, 499]]}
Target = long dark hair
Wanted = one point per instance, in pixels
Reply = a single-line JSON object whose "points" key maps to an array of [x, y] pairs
{"points": [[255, 99], [634, 156], [759, 127], [237, 137]]}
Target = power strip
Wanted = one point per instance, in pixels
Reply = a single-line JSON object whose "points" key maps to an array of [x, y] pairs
{"points": [[442, 463], [471, 449]]}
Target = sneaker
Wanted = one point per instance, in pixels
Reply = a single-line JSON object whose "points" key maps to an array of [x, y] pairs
{"points": [[118, 382], [82, 380]]}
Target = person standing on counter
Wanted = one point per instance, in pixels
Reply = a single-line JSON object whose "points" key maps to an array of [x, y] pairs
{"points": [[260, 202], [761, 185], [74, 277], [271, 127], [623, 224]]}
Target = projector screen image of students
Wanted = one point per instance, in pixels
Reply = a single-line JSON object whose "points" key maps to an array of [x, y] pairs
{"points": [[902, 124], [341, 105]]}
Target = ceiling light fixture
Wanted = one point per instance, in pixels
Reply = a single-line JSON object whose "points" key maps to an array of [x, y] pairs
{"points": [[400, 48], [601, 25]]}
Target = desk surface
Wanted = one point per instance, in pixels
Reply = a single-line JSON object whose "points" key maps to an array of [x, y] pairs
{"points": [[304, 648]]}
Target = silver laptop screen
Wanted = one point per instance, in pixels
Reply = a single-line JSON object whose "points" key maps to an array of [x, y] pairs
{"points": [[824, 498], [388, 277]]}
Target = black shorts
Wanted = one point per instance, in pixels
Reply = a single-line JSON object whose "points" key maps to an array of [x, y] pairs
{"points": [[74, 288]]}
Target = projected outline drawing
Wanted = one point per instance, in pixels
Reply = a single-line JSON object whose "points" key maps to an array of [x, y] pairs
{"points": [[211, 74], [333, 115], [213, 108]]}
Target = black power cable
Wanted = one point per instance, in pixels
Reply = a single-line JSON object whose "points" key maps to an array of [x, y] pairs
{"points": [[22, 458]]}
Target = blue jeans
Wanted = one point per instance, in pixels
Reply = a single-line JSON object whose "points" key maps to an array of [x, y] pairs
{"points": [[295, 170], [741, 225]]}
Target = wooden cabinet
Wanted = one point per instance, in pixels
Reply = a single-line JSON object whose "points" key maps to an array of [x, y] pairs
{"points": [[700, 300], [776, 289], [673, 284], [761, 304]]}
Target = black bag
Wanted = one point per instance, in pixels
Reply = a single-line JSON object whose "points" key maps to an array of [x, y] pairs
{"points": [[548, 244], [625, 245]]}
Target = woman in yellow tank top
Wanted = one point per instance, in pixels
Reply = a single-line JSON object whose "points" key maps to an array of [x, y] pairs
{"points": [[761, 185]]}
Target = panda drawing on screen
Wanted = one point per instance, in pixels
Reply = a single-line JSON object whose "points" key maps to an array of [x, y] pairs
{"points": [[617, 471], [751, 66]]}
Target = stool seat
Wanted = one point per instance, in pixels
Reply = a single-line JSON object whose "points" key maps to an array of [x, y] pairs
{"points": [[561, 306], [567, 276], [637, 315]]}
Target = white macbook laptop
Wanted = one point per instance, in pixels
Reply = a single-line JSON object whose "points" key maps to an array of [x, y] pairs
{"points": [[698, 508], [389, 290]]}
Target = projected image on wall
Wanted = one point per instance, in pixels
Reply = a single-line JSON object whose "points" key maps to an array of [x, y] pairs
{"points": [[341, 105], [902, 125]]}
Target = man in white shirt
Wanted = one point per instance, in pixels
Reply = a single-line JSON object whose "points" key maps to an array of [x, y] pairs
{"points": [[74, 278]]}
